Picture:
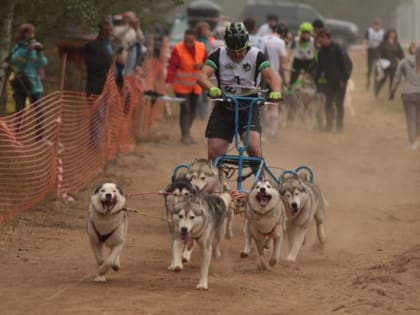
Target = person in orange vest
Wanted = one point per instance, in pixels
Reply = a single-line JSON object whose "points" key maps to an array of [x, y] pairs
{"points": [[186, 60], [203, 35]]}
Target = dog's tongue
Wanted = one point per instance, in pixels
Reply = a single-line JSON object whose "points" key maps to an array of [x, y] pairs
{"points": [[108, 204], [262, 199], [186, 237]]}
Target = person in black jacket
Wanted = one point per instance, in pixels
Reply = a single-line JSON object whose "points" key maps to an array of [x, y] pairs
{"points": [[99, 54], [332, 72]]}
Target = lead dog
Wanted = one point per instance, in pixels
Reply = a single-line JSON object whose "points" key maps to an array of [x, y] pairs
{"points": [[265, 222], [303, 202], [199, 218], [209, 180], [175, 193], [107, 225]]}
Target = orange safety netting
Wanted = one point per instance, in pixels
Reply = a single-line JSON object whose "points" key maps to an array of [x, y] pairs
{"points": [[62, 141]]}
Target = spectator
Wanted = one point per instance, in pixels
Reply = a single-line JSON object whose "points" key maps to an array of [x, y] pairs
{"points": [[99, 54], [186, 60], [131, 38], [267, 28], [373, 38], [276, 53], [318, 25], [389, 54], [99, 58], [28, 58], [332, 72], [409, 68], [202, 33], [254, 39]]}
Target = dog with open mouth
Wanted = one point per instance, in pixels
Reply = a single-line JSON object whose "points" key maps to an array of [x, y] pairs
{"points": [[303, 202], [199, 218], [209, 180], [107, 226], [265, 222], [176, 192]]}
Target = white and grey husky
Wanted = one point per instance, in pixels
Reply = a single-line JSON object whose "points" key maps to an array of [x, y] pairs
{"points": [[107, 225], [303, 202], [199, 218], [265, 222]]}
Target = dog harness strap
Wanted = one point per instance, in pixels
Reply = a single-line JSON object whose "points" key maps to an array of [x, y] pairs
{"points": [[103, 237], [121, 210], [272, 230]]}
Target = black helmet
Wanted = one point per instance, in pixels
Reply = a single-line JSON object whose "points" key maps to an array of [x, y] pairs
{"points": [[236, 36], [281, 29]]}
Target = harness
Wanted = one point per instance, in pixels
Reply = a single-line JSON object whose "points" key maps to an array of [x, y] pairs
{"points": [[271, 233], [104, 237]]}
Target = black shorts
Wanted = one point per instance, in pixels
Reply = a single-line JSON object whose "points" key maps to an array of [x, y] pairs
{"points": [[221, 123]]}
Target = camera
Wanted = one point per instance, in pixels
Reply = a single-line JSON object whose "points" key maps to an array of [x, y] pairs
{"points": [[37, 45]]}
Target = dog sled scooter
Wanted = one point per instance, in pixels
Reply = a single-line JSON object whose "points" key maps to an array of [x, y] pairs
{"points": [[240, 160]]}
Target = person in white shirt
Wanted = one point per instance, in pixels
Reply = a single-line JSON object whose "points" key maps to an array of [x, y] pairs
{"points": [[373, 38], [266, 28], [276, 52], [255, 40]]}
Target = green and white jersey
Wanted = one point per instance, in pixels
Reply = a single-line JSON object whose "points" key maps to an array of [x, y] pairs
{"points": [[237, 78], [304, 50]]}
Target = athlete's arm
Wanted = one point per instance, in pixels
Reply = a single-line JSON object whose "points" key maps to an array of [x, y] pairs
{"points": [[271, 79], [204, 77]]}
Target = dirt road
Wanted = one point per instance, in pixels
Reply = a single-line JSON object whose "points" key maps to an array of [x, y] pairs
{"points": [[370, 265]]}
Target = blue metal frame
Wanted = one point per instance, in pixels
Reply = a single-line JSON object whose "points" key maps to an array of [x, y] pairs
{"points": [[240, 159]]}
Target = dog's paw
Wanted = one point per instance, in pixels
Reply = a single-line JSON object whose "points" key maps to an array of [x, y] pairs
{"points": [[244, 254], [291, 259], [178, 268], [100, 279], [273, 261], [262, 265], [185, 260], [116, 267], [201, 286]]}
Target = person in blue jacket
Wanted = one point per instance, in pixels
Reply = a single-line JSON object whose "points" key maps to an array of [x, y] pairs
{"points": [[28, 57]]}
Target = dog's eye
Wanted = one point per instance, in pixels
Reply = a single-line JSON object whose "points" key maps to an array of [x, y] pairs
{"points": [[181, 216], [192, 217], [257, 187], [268, 186]]}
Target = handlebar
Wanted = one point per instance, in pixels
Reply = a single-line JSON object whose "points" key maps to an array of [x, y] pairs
{"points": [[231, 98]]}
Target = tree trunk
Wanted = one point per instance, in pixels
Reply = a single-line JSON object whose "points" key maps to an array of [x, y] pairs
{"points": [[6, 30]]}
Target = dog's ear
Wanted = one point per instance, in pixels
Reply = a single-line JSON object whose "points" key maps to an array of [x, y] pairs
{"points": [[97, 189], [120, 191], [282, 190]]}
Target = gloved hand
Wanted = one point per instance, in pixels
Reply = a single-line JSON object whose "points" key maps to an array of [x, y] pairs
{"points": [[275, 95], [215, 92]]}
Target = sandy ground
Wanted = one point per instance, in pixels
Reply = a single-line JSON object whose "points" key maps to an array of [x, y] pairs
{"points": [[370, 265]]}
